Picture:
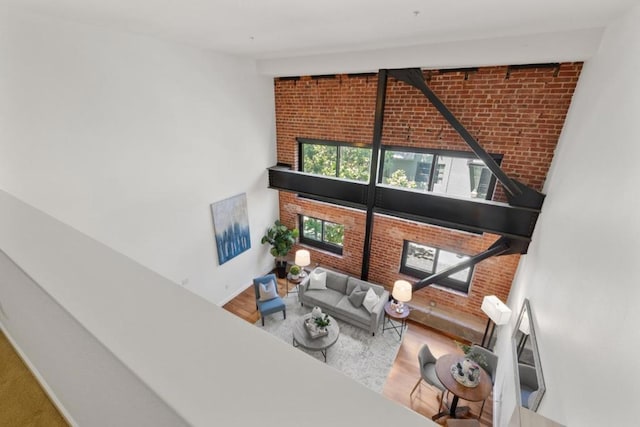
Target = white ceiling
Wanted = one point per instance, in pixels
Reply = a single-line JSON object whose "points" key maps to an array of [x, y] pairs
{"points": [[290, 28]]}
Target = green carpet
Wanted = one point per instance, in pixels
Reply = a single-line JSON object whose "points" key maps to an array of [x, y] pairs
{"points": [[24, 403]]}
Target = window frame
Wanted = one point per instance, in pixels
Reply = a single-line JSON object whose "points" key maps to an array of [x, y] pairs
{"points": [[436, 153], [447, 282], [337, 145], [320, 244]]}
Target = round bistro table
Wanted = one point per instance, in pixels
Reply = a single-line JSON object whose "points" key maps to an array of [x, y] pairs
{"points": [[472, 394]]}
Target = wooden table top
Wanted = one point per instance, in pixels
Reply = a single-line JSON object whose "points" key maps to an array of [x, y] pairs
{"points": [[472, 394]]}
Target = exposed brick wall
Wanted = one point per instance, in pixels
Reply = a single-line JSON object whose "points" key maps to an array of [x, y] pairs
{"points": [[337, 109], [520, 117], [491, 277], [354, 228]]}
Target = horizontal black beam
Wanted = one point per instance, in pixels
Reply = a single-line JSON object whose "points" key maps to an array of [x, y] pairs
{"points": [[477, 216], [468, 215], [336, 189]]}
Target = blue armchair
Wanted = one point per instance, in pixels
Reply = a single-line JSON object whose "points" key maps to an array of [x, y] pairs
{"points": [[271, 305]]}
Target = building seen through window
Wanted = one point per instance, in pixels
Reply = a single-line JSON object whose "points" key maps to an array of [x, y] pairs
{"points": [[420, 261], [454, 174]]}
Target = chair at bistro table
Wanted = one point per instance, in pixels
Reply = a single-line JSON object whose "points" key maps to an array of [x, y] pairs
{"points": [[427, 364], [488, 360]]}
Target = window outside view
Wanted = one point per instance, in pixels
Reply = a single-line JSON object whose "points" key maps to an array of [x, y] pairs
{"points": [[340, 161], [323, 234], [456, 176], [422, 261]]}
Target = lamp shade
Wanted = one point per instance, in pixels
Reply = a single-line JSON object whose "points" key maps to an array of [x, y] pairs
{"points": [[303, 258], [496, 310], [401, 291]]}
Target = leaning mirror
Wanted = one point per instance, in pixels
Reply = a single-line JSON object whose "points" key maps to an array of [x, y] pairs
{"points": [[528, 369]]}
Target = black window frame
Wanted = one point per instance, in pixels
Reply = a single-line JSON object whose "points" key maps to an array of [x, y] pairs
{"points": [[337, 144], [324, 245], [447, 282], [435, 153]]}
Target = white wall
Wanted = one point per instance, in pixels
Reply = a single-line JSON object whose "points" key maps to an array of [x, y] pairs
{"points": [[129, 139], [119, 345], [581, 273], [88, 384]]}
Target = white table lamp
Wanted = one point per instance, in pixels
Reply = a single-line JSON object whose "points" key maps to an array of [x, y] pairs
{"points": [[401, 293], [303, 259]]}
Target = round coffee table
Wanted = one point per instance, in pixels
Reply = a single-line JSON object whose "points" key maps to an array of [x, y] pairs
{"points": [[301, 337]]}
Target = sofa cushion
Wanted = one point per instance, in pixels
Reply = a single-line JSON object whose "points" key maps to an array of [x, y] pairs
{"points": [[357, 296], [337, 281], [353, 283], [371, 299], [325, 298], [318, 280], [348, 311]]}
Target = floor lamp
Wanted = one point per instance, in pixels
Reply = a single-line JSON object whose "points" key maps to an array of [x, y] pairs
{"points": [[498, 314]]}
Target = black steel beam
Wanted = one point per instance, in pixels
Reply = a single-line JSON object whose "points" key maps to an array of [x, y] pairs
{"points": [[285, 179], [469, 215], [376, 144], [517, 193], [501, 246]]}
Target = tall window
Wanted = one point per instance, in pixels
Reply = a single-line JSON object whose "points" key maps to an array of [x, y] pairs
{"points": [[322, 234], [445, 172], [421, 261], [338, 159]]}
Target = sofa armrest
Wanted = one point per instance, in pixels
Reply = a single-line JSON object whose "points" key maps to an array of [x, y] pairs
{"points": [[302, 287], [378, 312]]}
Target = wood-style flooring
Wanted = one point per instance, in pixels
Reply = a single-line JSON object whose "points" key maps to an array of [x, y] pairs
{"points": [[404, 372]]}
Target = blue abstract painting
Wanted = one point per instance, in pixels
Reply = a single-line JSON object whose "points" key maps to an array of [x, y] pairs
{"points": [[231, 226]]}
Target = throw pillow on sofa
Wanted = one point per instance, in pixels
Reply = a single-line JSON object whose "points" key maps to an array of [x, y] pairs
{"points": [[370, 300], [318, 281], [268, 291], [357, 296]]}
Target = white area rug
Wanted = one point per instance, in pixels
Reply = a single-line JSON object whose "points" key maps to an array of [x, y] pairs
{"points": [[359, 355]]}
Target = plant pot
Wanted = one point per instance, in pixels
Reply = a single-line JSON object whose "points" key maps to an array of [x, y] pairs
{"points": [[281, 269]]}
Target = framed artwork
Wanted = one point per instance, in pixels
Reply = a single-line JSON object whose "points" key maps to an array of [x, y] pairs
{"points": [[231, 227]]}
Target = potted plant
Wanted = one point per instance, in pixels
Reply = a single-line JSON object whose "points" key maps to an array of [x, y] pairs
{"points": [[294, 271], [322, 321], [281, 239]]}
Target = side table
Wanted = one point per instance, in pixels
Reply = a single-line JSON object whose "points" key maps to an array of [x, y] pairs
{"points": [[296, 282], [395, 320]]}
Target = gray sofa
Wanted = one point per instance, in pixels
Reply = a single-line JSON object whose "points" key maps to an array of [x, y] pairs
{"points": [[334, 300]]}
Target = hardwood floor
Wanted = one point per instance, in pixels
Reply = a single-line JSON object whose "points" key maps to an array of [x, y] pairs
{"points": [[404, 372]]}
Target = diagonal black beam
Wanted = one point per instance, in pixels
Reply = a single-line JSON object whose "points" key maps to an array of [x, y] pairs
{"points": [[502, 246], [517, 193]]}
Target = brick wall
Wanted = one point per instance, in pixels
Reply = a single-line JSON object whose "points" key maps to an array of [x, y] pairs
{"points": [[520, 117]]}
